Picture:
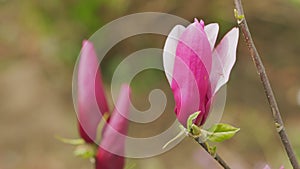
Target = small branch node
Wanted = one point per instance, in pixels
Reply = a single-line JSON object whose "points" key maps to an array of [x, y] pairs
{"points": [[279, 127]]}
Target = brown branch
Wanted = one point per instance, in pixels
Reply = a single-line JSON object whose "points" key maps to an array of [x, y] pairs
{"points": [[265, 81], [216, 157]]}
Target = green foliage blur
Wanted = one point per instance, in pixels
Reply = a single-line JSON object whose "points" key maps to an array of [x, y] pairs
{"points": [[40, 41]]}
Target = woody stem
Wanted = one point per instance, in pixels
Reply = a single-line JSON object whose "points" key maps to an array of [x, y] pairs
{"points": [[217, 157], [266, 84]]}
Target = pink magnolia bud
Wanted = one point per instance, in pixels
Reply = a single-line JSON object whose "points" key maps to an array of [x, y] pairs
{"points": [[195, 69], [92, 105], [111, 150], [90, 88]]}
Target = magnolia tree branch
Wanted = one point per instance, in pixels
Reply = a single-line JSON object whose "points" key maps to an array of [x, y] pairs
{"points": [[239, 14], [216, 156]]}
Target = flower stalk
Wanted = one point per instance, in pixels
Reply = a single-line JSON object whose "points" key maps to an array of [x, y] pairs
{"points": [[215, 156]]}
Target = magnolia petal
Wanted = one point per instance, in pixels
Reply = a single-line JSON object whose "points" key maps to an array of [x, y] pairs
{"points": [[107, 160], [191, 72], [194, 44], [91, 97], [216, 75], [169, 52], [211, 31], [215, 106], [224, 57], [267, 167], [111, 150]]}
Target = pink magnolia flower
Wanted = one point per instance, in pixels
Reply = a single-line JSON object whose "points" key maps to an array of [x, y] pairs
{"points": [[92, 106], [195, 68]]}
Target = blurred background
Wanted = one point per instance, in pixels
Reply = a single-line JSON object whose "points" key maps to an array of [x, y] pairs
{"points": [[39, 44]]}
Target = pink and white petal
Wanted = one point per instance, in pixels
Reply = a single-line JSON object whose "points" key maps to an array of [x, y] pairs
{"points": [[215, 106], [190, 76], [225, 54], [115, 131], [267, 167], [216, 75], [211, 31], [107, 160], [195, 43], [169, 52], [110, 153], [91, 98], [185, 91]]}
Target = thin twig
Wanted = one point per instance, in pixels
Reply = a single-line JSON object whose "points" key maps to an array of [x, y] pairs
{"points": [[265, 81], [216, 156]]}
